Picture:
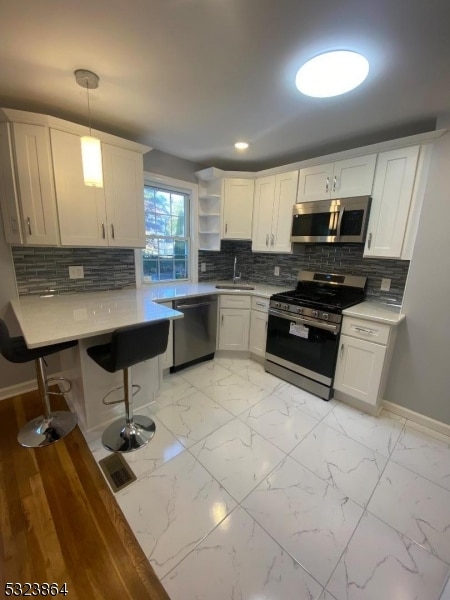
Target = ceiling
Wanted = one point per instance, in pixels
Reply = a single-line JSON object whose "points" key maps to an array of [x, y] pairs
{"points": [[191, 77]]}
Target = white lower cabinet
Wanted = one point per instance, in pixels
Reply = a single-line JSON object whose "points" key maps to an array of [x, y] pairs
{"points": [[234, 322], [258, 326], [166, 359], [365, 348]]}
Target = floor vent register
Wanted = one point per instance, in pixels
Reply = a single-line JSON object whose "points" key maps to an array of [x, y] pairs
{"points": [[117, 471]]}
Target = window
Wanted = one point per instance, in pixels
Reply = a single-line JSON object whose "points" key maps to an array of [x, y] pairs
{"points": [[167, 228]]}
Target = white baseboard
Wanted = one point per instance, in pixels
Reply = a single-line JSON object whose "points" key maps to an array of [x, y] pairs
{"points": [[416, 417], [17, 389]]}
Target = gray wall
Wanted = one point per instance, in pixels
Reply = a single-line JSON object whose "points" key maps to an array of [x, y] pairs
{"points": [[419, 378], [156, 161]]}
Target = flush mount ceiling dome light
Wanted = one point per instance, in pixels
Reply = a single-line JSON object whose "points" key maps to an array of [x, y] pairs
{"points": [[91, 150], [332, 73], [241, 145]]}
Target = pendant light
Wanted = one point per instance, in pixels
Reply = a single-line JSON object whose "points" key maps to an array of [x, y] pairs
{"points": [[91, 149]]}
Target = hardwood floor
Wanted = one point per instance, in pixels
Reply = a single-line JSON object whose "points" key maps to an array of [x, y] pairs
{"points": [[59, 521]]}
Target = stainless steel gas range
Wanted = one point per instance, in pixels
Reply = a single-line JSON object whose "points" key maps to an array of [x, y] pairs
{"points": [[303, 329]]}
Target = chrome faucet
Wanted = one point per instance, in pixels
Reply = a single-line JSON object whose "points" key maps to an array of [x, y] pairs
{"points": [[235, 276]]}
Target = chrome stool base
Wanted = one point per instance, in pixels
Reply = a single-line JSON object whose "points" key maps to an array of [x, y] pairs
{"points": [[121, 436], [43, 431]]}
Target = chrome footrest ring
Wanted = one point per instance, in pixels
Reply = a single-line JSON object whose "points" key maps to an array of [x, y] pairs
{"points": [[51, 380], [136, 389]]}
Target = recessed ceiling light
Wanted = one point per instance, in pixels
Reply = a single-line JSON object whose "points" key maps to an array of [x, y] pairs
{"points": [[332, 73], [241, 145]]}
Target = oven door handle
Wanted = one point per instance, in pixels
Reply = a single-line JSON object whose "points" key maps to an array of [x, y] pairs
{"points": [[341, 216], [304, 321]]}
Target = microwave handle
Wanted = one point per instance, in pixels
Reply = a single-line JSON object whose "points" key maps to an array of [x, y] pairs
{"points": [[341, 216]]}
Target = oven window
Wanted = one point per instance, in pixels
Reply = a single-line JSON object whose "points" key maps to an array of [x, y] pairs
{"points": [[317, 352]]}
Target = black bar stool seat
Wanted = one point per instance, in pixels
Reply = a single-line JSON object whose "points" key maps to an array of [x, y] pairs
{"points": [[51, 426], [130, 346]]}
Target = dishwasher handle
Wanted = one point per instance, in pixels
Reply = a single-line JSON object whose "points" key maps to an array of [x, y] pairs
{"points": [[178, 306]]}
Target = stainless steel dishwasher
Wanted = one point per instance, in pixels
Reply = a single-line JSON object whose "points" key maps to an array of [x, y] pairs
{"points": [[194, 336]]}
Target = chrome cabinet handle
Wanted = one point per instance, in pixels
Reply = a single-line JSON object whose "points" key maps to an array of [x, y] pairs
{"points": [[341, 353], [334, 183], [226, 227], [273, 240], [221, 320], [267, 240], [260, 304], [369, 240], [103, 231], [112, 231], [29, 225], [364, 330], [327, 185]]}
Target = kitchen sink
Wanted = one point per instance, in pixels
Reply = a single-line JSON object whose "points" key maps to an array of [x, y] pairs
{"points": [[235, 286]]}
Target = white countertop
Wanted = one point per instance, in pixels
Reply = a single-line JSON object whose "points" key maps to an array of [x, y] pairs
{"points": [[55, 319], [375, 311]]}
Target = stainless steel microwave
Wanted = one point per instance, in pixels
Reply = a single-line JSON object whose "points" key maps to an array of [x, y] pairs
{"points": [[339, 221]]}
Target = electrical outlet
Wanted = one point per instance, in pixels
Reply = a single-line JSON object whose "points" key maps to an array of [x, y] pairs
{"points": [[76, 272], [276, 271], [385, 284], [203, 267]]}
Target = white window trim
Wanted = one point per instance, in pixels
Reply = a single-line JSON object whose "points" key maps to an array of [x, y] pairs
{"points": [[186, 187]]}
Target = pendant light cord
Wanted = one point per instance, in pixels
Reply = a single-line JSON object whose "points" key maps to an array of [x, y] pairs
{"points": [[89, 107]]}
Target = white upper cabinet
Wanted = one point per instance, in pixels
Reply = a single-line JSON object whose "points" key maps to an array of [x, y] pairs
{"points": [[342, 179], [81, 209], [27, 173], [88, 216], [391, 201], [272, 215], [238, 209], [123, 176]]}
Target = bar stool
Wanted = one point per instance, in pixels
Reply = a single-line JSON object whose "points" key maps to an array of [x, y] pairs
{"points": [[130, 346], [51, 426]]}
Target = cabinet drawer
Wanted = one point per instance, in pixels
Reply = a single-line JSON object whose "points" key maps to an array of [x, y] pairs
{"points": [[261, 304], [230, 301], [366, 330]]}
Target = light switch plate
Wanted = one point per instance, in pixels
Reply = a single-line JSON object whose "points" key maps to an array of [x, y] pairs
{"points": [[276, 271], [385, 284], [76, 272], [202, 267]]}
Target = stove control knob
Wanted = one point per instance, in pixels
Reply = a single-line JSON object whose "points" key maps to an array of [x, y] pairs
{"points": [[315, 313], [285, 306], [277, 304], [325, 316], [299, 310]]}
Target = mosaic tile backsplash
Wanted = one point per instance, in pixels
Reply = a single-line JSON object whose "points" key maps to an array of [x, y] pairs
{"points": [[41, 269], [348, 259]]}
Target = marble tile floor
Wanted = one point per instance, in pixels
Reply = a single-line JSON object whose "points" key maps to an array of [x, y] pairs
{"points": [[253, 489]]}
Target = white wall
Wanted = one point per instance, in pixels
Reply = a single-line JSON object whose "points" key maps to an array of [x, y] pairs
{"points": [[162, 163], [419, 377]]}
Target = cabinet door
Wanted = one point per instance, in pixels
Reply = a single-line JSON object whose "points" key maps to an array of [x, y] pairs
{"points": [[262, 213], [35, 184], [285, 195], [315, 183], [233, 329], [81, 209], [391, 198], [166, 359], [258, 332], [353, 177], [238, 209], [8, 192], [359, 368], [123, 176]]}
